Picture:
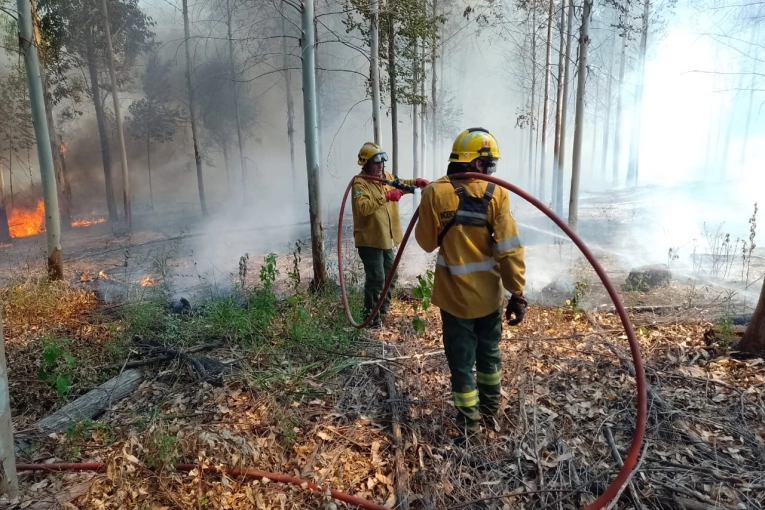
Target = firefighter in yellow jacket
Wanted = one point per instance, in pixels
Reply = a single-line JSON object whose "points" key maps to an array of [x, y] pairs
{"points": [[376, 225], [480, 257]]}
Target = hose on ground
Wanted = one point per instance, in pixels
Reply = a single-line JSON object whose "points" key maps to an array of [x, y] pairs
{"points": [[230, 471], [642, 402]]}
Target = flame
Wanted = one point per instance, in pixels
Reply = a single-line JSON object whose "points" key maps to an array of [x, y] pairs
{"points": [[147, 281], [87, 221], [85, 276], [63, 149], [24, 222], [102, 275]]}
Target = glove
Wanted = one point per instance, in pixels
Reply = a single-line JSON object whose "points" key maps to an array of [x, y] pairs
{"points": [[394, 195], [421, 183], [517, 306]]}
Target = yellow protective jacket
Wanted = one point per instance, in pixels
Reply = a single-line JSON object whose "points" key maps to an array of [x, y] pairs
{"points": [[375, 220], [472, 264]]}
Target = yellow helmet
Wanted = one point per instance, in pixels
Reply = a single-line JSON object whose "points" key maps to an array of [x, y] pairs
{"points": [[371, 152], [474, 143]]}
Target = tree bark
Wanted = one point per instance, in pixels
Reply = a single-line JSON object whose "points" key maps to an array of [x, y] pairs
{"points": [[393, 92], [607, 128], [754, 337], [434, 100], [148, 166], [106, 155], [92, 403], [228, 171], [59, 164], [634, 162], [546, 107], [5, 231], [235, 96], [620, 99], [374, 68], [192, 115], [564, 108], [290, 103], [118, 121], [576, 160], [312, 146], [532, 113], [559, 103], [415, 123]]}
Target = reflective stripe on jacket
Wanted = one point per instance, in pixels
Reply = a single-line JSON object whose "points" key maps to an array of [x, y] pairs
{"points": [[472, 266], [375, 221]]}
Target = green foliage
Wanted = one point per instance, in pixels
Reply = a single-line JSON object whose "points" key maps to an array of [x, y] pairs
{"points": [[162, 451], [268, 272], [16, 128], [57, 364], [152, 117], [87, 429], [423, 292]]}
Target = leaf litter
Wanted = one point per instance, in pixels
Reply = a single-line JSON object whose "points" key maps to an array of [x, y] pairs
{"points": [[566, 382]]}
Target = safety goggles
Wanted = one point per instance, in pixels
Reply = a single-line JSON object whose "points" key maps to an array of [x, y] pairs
{"points": [[378, 158], [489, 164]]}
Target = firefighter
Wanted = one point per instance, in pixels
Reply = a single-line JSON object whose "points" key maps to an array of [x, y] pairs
{"points": [[479, 253], [376, 226]]}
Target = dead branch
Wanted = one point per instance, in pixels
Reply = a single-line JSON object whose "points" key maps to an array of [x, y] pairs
{"points": [[618, 458], [677, 488], [401, 478], [399, 358], [162, 358]]}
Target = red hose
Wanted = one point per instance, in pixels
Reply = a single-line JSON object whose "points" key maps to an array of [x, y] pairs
{"points": [[396, 261], [245, 472], [642, 403]]}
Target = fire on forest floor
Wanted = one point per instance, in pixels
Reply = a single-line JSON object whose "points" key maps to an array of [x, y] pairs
{"points": [[323, 414]]}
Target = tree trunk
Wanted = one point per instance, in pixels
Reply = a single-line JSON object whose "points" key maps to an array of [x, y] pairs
{"points": [[10, 480], [546, 107], [235, 96], [415, 120], [228, 171], [192, 115], [634, 162], [620, 99], [5, 231], [564, 108], [393, 93], [148, 166], [59, 165], [433, 100], [754, 337], [290, 104], [55, 261], [532, 113], [106, 155], [576, 160], [312, 147], [559, 103], [374, 68], [607, 127], [118, 121]]}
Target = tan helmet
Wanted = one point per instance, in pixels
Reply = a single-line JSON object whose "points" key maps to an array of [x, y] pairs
{"points": [[371, 152]]}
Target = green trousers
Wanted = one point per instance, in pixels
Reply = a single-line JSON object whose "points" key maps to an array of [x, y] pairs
{"points": [[377, 266], [468, 343]]}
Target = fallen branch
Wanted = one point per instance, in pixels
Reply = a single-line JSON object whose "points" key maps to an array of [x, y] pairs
{"points": [[618, 458], [399, 358], [92, 403], [401, 477], [169, 355], [679, 489]]}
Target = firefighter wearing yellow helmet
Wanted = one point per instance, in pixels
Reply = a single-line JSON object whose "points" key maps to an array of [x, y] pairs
{"points": [[376, 225], [480, 256]]}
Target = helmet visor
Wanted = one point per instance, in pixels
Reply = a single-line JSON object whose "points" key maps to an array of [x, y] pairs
{"points": [[379, 157]]}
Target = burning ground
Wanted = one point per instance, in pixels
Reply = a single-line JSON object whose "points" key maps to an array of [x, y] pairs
{"points": [[286, 386]]}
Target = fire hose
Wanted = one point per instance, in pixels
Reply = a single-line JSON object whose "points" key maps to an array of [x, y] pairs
{"points": [[231, 471], [642, 404]]}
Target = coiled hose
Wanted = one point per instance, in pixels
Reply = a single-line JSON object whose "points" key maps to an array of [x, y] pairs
{"points": [[642, 402]]}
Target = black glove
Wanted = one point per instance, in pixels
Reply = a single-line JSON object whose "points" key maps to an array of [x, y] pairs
{"points": [[517, 306]]}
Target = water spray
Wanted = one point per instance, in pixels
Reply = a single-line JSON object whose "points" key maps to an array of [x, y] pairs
{"points": [[642, 403]]}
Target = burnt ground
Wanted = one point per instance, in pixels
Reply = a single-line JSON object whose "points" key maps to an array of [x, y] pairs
{"points": [[325, 416]]}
